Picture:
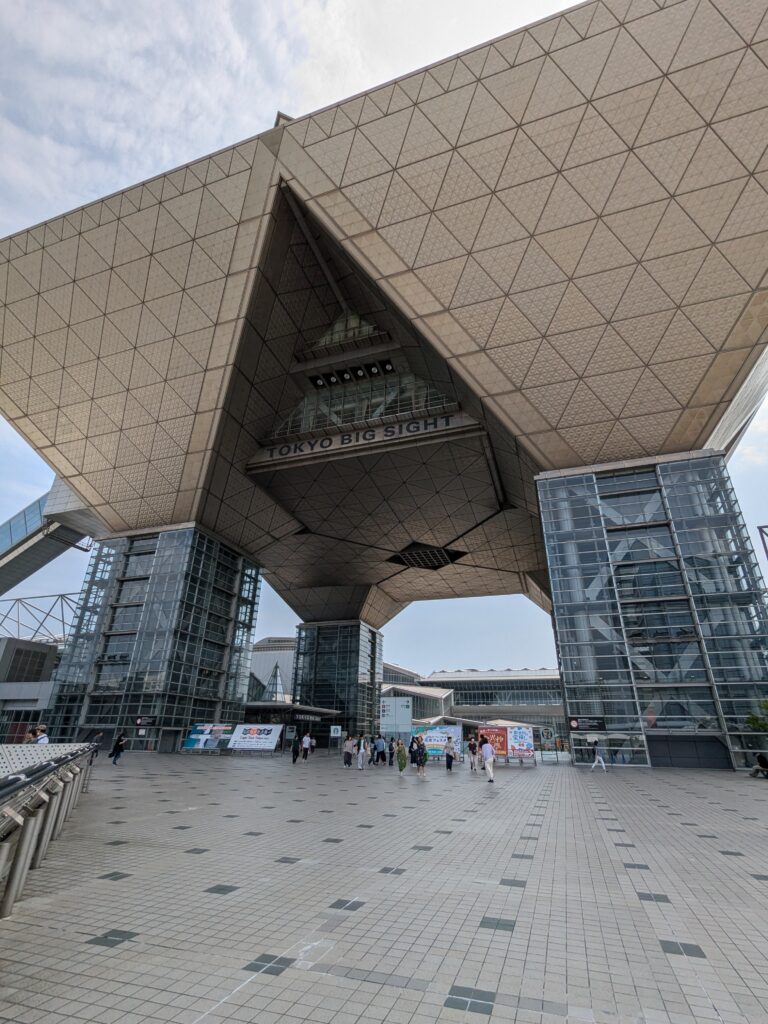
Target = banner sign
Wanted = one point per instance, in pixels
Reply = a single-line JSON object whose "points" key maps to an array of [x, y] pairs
{"points": [[255, 737], [435, 737], [396, 714], [586, 724], [497, 737], [350, 442], [208, 736], [520, 742]]}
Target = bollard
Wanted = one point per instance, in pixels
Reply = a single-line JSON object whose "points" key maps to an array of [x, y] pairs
{"points": [[18, 873]]}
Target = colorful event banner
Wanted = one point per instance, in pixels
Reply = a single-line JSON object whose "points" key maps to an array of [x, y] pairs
{"points": [[435, 737], [255, 737], [497, 737], [520, 742], [208, 736]]}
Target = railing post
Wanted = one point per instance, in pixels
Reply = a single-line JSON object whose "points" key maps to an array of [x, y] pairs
{"points": [[51, 813], [66, 797], [18, 873], [78, 784]]}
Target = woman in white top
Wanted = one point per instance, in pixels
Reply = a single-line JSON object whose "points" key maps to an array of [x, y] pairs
{"points": [[487, 753], [450, 753], [362, 753]]}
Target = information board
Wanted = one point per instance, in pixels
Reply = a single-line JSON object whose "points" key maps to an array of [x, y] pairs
{"points": [[255, 737], [436, 736], [396, 715], [520, 742], [208, 736]]}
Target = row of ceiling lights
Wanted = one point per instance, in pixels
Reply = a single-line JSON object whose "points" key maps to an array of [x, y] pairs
{"points": [[350, 374]]}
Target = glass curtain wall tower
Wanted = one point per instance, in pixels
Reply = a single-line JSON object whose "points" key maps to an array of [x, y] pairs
{"points": [[162, 640], [660, 610], [340, 665]]}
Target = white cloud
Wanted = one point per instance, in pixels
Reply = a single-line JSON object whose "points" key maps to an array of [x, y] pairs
{"points": [[98, 94], [753, 450]]}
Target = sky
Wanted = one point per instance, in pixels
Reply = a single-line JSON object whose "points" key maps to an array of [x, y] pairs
{"points": [[98, 94]]}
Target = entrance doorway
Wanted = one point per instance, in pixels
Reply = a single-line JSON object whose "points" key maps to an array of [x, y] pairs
{"points": [[688, 752]]}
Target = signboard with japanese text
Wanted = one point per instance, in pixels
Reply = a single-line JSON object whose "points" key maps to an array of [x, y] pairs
{"points": [[520, 742], [497, 737], [255, 737], [396, 714], [436, 736]]}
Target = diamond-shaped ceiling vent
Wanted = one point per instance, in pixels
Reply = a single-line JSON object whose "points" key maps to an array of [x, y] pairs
{"points": [[426, 556]]}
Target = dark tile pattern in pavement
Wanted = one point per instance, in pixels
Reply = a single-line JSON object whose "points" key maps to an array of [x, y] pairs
{"points": [[486, 923]]}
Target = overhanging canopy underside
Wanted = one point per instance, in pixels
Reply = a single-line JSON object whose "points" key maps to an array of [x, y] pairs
{"points": [[567, 226]]}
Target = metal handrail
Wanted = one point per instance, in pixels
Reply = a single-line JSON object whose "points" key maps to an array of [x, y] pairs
{"points": [[15, 782], [35, 803]]}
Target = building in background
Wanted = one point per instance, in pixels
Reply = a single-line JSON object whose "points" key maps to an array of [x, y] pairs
{"points": [[534, 696], [272, 664], [364, 353], [398, 674], [26, 685]]}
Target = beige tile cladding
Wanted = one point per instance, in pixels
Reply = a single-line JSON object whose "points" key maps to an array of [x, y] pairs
{"points": [[575, 215]]}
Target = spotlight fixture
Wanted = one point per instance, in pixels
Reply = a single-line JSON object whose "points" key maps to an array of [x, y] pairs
{"points": [[345, 376], [357, 372], [387, 366], [331, 378], [372, 369], [316, 380]]}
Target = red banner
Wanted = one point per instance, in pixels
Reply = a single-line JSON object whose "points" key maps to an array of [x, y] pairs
{"points": [[497, 737]]}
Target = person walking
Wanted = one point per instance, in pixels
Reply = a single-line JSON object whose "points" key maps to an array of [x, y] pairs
{"points": [[42, 734], [381, 750], [413, 746], [487, 753], [312, 743], [472, 751], [372, 750], [295, 748], [306, 743], [597, 757], [760, 766], [402, 757], [422, 756], [391, 751], [349, 749], [118, 748], [30, 736], [362, 750], [450, 754]]}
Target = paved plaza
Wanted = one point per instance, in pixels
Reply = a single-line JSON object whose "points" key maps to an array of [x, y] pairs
{"points": [[205, 889]]}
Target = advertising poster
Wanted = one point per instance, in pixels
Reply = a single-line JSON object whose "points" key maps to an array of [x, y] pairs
{"points": [[255, 737], [435, 737], [208, 736], [520, 742], [396, 715], [497, 737]]}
